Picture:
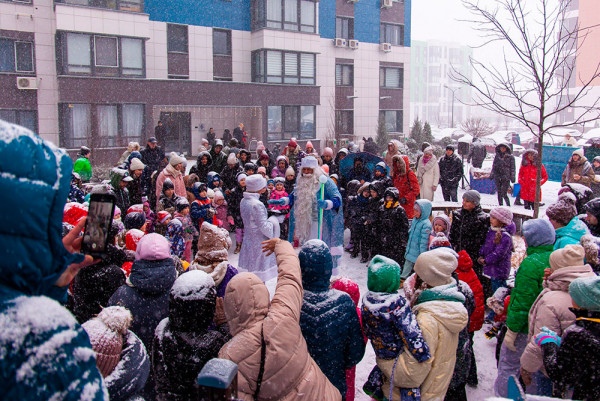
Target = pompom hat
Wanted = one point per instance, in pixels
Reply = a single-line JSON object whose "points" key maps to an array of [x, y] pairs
{"points": [[564, 209], [502, 214]]}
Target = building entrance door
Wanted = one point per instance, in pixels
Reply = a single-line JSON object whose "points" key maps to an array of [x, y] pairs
{"points": [[178, 137]]}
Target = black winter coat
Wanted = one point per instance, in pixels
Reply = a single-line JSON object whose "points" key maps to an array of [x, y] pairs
{"points": [[477, 154], [392, 233], [357, 210], [503, 168], [202, 170], [229, 176], [387, 181], [576, 363], [219, 161], [136, 191], [152, 157], [469, 230], [122, 199], [129, 376], [451, 171], [233, 206]]}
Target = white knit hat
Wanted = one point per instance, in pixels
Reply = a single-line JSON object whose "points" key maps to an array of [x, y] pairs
{"points": [[435, 267], [232, 159], [136, 164], [570, 255], [255, 183], [175, 159]]}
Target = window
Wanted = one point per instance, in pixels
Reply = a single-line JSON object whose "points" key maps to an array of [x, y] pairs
{"points": [[101, 55], [16, 56], [24, 118], [285, 122], [344, 122], [275, 66], [391, 77], [344, 27], [393, 119], [344, 75], [392, 33], [291, 15], [123, 5], [114, 124], [221, 42], [177, 38]]}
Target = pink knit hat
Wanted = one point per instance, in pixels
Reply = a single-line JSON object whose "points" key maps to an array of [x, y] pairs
{"points": [[106, 332], [153, 247], [502, 214]]}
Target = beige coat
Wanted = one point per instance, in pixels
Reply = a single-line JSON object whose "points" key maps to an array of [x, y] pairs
{"points": [[440, 322], [428, 176], [290, 372], [551, 309]]}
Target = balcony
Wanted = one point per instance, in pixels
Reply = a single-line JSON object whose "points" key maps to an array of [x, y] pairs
{"points": [[120, 5]]}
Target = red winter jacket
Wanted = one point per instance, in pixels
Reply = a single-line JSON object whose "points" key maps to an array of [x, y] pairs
{"points": [[528, 176], [406, 183], [467, 274]]}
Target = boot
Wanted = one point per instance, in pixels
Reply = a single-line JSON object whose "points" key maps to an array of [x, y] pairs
{"points": [[365, 257], [354, 253], [238, 247]]}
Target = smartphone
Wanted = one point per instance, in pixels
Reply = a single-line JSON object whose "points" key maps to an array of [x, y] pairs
{"points": [[98, 224]]}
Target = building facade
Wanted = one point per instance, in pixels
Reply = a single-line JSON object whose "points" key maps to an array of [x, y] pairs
{"points": [[102, 73], [435, 97]]}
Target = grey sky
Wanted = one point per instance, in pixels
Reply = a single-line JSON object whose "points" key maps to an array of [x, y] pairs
{"points": [[438, 20]]}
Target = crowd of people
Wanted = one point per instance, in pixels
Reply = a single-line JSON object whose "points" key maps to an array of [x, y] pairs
{"points": [[142, 322]]}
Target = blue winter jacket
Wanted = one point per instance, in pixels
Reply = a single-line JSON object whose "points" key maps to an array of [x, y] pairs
{"points": [[328, 318], [44, 353], [418, 236], [570, 234]]}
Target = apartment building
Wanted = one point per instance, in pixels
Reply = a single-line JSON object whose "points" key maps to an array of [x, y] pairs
{"points": [[102, 73]]}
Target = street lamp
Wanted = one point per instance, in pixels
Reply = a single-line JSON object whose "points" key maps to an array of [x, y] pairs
{"points": [[453, 94]]}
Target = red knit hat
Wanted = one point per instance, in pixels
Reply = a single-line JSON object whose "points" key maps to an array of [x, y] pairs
{"points": [[163, 215], [132, 238], [136, 209], [73, 212], [292, 144]]}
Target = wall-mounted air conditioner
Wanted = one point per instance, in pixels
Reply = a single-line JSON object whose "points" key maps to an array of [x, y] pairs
{"points": [[386, 3], [353, 44], [386, 47], [352, 1], [339, 42], [27, 83]]}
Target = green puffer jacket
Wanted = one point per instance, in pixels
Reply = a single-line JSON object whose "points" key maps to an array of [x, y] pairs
{"points": [[528, 285], [83, 168]]}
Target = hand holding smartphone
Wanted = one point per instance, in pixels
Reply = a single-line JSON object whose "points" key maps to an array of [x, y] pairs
{"points": [[98, 224]]}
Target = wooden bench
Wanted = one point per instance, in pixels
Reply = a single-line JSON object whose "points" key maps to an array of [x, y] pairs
{"points": [[520, 214]]}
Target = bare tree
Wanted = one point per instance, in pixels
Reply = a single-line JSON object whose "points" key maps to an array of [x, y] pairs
{"points": [[477, 127], [532, 85]]}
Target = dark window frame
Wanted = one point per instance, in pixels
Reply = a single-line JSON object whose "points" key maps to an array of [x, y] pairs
{"points": [[399, 119], [227, 32], [18, 117], [382, 81], [119, 5], [15, 57], [344, 123], [260, 17], [385, 38], [259, 62], [349, 28], [98, 70], [343, 67], [285, 132], [170, 44]]}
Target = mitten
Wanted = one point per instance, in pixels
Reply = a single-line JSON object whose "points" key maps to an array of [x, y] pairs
{"points": [[277, 202], [325, 204]]}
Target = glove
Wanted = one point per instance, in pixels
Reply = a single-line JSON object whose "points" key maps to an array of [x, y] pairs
{"points": [[325, 204], [509, 340], [547, 336], [277, 202], [491, 333], [403, 201], [210, 213]]}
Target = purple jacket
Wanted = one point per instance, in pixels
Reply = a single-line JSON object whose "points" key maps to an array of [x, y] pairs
{"points": [[231, 271], [497, 256]]}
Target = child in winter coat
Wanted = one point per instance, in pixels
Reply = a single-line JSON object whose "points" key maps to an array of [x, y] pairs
{"points": [[348, 286], [390, 324], [168, 198], [279, 192], [121, 357], [201, 209], [135, 220], [440, 224], [290, 179], [358, 206], [574, 360], [393, 227], [418, 236], [189, 231], [163, 218], [186, 339], [497, 248], [372, 219], [563, 215], [233, 208], [223, 217], [150, 218], [175, 238], [132, 238]]}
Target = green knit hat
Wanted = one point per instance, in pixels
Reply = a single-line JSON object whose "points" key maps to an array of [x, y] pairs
{"points": [[585, 291], [383, 275]]}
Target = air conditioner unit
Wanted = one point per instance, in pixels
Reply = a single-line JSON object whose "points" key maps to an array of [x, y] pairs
{"points": [[339, 42], [27, 83], [353, 44], [352, 1], [386, 47], [386, 3]]}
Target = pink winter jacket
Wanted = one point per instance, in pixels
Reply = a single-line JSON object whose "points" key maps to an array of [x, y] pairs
{"points": [[551, 309], [176, 178], [278, 195]]}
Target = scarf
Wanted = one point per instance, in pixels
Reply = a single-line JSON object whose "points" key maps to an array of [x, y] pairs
{"points": [[426, 158], [216, 270], [172, 171]]}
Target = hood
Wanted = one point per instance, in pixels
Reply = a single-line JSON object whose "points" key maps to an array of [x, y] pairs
{"points": [[575, 229], [593, 207], [425, 206], [509, 150], [199, 160], [349, 287], [316, 265], [403, 167], [451, 314], [525, 161], [465, 263], [246, 302], [279, 158], [395, 144], [248, 154], [192, 301], [511, 228], [342, 151], [379, 187], [34, 183], [218, 142], [393, 192], [352, 187], [561, 278], [445, 219], [154, 277]]}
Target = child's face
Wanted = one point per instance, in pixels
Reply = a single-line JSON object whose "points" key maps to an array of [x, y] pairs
{"points": [[204, 159], [169, 192], [439, 228], [378, 173], [373, 194], [146, 207], [495, 222], [271, 186], [590, 218], [366, 193], [417, 211], [389, 199], [281, 164], [243, 183], [117, 217], [166, 223], [203, 194], [279, 186], [217, 183], [143, 228], [185, 211], [220, 202], [468, 205], [249, 172], [289, 177], [596, 163]]}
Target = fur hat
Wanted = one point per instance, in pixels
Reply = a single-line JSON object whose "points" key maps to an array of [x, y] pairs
{"points": [[564, 209], [136, 164], [134, 220], [439, 241], [502, 214], [106, 332], [290, 171], [163, 215], [363, 187], [436, 267], [175, 159], [213, 244], [309, 162], [472, 196], [570, 255], [538, 232], [585, 291], [383, 275], [153, 247], [255, 183]]}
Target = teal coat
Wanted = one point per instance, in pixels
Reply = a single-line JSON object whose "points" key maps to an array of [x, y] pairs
{"points": [[418, 236], [44, 353], [570, 234]]}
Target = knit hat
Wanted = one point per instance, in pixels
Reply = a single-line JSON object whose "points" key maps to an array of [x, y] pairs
{"points": [[290, 171], [132, 238], [181, 203], [328, 152], [232, 159], [175, 159], [261, 169], [292, 144], [137, 208], [73, 212], [443, 220], [163, 215], [241, 176], [435, 267], [134, 220], [348, 286], [578, 152], [167, 184], [439, 241], [585, 291], [106, 332], [213, 244], [563, 210], [502, 214], [316, 265], [472, 196], [383, 275], [309, 145], [255, 183], [538, 232], [136, 164], [153, 247], [219, 196], [570, 255], [309, 162], [210, 193]]}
